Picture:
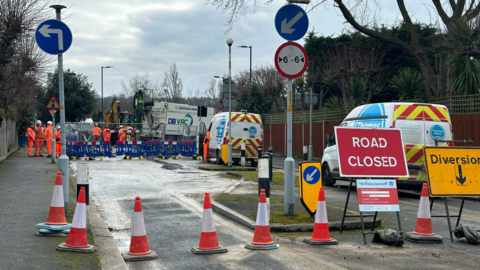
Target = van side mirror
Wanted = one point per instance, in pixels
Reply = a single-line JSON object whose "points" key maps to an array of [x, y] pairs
{"points": [[333, 141], [327, 139]]}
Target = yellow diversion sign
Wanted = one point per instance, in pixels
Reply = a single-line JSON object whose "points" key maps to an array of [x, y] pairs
{"points": [[310, 182], [453, 171]]}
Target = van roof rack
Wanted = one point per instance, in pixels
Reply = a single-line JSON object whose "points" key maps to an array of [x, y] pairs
{"points": [[243, 111]]}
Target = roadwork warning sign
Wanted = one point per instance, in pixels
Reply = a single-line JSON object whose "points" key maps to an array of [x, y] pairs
{"points": [[453, 171]]}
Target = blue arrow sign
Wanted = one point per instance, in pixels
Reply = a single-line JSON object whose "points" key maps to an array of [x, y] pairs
{"points": [[291, 22], [311, 174], [53, 37]]}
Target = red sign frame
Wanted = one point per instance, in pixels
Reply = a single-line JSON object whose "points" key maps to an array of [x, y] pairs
{"points": [[53, 98], [286, 75], [370, 152]]}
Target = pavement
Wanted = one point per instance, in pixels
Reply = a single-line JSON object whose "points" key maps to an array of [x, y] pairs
{"points": [[26, 187]]}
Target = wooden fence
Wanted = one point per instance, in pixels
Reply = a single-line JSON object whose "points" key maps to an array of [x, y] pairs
{"points": [[8, 138]]}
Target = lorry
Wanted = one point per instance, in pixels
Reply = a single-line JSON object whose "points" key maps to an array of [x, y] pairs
{"points": [[245, 126], [171, 121], [420, 124]]}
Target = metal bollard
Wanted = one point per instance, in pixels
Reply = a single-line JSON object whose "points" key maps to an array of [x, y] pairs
{"points": [[305, 152], [242, 157], [259, 151], [264, 178], [270, 169]]}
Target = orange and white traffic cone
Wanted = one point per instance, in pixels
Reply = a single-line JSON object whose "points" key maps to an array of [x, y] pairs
{"points": [[208, 238], [139, 250], [423, 228], [321, 233], [77, 238], [262, 238], [56, 224]]}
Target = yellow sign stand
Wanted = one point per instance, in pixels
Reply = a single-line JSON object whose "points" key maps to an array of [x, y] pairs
{"points": [[453, 171], [310, 182]]}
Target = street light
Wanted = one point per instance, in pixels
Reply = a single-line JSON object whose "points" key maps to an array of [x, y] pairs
{"points": [[102, 84], [229, 43], [165, 90], [250, 47]]}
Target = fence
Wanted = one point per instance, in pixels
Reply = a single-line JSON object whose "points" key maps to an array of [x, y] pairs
{"points": [[8, 138]]}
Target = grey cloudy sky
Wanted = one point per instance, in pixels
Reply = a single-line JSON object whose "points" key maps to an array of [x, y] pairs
{"points": [[149, 35]]}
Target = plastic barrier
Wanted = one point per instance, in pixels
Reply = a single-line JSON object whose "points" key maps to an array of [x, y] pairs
{"points": [[135, 149], [188, 148], [80, 149], [107, 149], [170, 148], [71, 149], [120, 148], [94, 149], [156, 148], [22, 139], [152, 148]]}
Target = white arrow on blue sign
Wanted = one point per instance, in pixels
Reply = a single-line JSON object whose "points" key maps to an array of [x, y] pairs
{"points": [[311, 174], [53, 37], [291, 22]]}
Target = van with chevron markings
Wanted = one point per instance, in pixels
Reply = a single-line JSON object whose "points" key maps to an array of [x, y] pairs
{"points": [[420, 125]]}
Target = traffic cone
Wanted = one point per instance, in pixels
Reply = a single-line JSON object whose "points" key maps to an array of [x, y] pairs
{"points": [[321, 233], [423, 228], [139, 250], [56, 225], [77, 238], [262, 238], [208, 238]]}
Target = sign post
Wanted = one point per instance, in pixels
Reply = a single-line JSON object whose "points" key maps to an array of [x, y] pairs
{"points": [[291, 60], [52, 107], [54, 37], [312, 100], [310, 182]]}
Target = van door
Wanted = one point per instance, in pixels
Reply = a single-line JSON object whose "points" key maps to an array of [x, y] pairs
{"points": [[437, 124]]}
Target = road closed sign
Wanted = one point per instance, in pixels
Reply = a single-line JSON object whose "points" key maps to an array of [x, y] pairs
{"points": [[310, 182], [367, 152], [453, 171]]}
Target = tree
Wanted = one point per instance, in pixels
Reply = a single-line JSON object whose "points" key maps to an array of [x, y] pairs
{"points": [[174, 84], [141, 81], [255, 102], [408, 84], [79, 97]]}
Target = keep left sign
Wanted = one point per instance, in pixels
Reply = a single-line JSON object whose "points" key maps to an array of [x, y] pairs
{"points": [[367, 152]]}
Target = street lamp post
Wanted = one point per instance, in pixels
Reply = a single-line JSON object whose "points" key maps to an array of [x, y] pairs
{"points": [[250, 47], [229, 43], [102, 84], [165, 90]]}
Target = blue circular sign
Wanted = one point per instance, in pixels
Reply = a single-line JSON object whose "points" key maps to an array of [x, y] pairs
{"points": [[53, 37], [291, 22], [437, 132], [252, 131], [311, 175]]}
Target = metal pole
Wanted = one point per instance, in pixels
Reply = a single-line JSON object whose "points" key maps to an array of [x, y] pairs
{"points": [[310, 147], [53, 153], [289, 180], [229, 163], [63, 160], [102, 90], [250, 67]]}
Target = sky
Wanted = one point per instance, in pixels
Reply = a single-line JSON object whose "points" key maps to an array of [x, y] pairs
{"points": [[140, 36]]}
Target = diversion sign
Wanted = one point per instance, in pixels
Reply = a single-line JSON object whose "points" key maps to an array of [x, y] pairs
{"points": [[453, 171]]}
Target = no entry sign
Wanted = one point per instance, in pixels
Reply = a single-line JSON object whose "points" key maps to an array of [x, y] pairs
{"points": [[367, 152]]}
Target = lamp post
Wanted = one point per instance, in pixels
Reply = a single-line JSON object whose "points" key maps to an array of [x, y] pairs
{"points": [[102, 84], [250, 47], [229, 43], [165, 90]]}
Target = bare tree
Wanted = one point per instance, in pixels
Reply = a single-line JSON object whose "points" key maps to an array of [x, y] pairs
{"points": [[174, 84], [272, 84], [141, 82]]}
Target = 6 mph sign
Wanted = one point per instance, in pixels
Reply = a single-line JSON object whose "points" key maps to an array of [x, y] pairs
{"points": [[291, 60], [367, 152]]}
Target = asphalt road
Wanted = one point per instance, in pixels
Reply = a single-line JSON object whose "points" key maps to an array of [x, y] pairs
{"points": [[172, 192]]}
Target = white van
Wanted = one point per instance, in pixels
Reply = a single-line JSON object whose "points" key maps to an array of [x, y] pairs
{"points": [[246, 126], [420, 125]]}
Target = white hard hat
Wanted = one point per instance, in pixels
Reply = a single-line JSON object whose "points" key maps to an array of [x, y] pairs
{"points": [[121, 125], [49, 122], [39, 122]]}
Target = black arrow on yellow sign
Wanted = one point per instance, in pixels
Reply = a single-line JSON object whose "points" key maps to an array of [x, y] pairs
{"points": [[460, 178]]}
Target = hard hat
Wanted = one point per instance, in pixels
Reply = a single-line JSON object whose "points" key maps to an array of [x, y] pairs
{"points": [[49, 122], [96, 125], [121, 125], [39, 122], [31, 123], [59, 128]]}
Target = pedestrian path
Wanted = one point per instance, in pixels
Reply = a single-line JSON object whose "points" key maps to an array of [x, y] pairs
{"points": [[26, 187]]}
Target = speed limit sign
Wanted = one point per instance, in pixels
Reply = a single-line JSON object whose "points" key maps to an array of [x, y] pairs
{"points": [[291, 60]]}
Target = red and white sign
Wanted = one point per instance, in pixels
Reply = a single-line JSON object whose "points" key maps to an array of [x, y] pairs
{"points": [[52, 112], [377, 195], [291, 60], [52, 104], [367, 152]]}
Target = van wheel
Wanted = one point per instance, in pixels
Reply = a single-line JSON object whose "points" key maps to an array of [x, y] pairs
{"points": [[327, 176], [218, 158]]}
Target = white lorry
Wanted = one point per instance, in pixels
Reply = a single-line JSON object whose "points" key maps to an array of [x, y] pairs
{"points": [[420, 125], [172, 121]]}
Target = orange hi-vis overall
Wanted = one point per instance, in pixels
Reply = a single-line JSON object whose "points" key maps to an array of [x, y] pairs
{"points": [[38, 141], [48, 135], [205, 147], [30, 140], [106, 134], [122, 134], [58, 143]]}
